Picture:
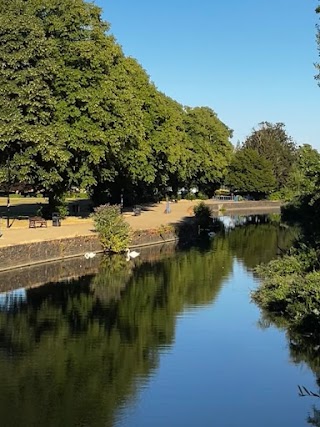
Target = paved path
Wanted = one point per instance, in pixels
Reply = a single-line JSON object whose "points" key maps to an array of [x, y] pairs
{"points": [[151, 217]]}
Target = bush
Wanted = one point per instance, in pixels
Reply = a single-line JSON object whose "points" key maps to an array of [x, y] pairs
{"points": [[114, 231], [190, 196], [202, 196], [203, 215]]}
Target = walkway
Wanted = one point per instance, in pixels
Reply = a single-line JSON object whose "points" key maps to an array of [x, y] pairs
{"points": [[151, 217]]}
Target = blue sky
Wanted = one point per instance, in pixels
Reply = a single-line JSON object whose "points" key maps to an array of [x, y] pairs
{"points": [[249, 60]]}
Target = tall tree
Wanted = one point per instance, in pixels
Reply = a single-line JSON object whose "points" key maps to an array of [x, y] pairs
{"points": [[249, 172], [56, 58], [30, 141], [273, 143], [210, 146]]}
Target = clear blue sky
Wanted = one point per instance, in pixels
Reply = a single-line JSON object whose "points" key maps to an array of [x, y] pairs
{"points": [[249, 60]]}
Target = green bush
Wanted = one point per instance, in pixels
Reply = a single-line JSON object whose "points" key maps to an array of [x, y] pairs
{"points": [[203, 215], [202, 196], [114, 231], [290, 290], [190, 196]]}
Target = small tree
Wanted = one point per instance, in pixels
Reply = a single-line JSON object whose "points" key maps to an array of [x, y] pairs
{"points": [[203, 215], [114, 231]]}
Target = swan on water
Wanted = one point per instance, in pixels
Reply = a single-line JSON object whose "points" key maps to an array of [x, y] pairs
{"points": [[89, 255], [131, 254]]}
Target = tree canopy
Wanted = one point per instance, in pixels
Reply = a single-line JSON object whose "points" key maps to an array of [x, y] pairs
{"points": [[75, 111], [249, 172], [273, 143]]}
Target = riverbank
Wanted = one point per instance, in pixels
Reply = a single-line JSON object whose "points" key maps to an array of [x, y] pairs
{"points": [[22, 246]]}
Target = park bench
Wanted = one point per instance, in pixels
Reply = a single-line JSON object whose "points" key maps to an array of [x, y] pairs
{"points": [[136, 210], [37, 221]]}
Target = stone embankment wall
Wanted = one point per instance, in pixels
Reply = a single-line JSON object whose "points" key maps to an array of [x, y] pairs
{"points": [[68, 269], [252, 206], [52, 250]]}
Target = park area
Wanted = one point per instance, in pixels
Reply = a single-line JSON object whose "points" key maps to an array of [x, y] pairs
{"points": [[79, 222]]}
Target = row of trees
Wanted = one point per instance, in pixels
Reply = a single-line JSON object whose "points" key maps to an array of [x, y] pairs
{"points": [[75, 111]]}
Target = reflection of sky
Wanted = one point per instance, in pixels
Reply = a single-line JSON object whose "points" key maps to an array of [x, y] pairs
{"points": [[12, 298], [223, 370]]}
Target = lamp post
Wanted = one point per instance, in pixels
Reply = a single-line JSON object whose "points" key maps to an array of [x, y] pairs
{"points": [[121, 200], [8, 192]]}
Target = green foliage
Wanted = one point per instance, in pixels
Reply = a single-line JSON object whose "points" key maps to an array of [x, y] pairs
{"points": [[249, 172], [203, 215], [273, 143], [202, 196], [210, 146], [74, 111], [190, 196], [114, 231], [290, 289]]}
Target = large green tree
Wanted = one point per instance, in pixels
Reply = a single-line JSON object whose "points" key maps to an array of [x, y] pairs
{"points": [[249, 172], [56, 58], [273, 143], [75, 111], [211, 149], [30, 140]]}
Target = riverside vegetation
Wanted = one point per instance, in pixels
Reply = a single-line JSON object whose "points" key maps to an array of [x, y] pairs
{"points": [[290, 291]]}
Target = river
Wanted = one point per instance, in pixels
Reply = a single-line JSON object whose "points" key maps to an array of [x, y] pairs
{"points": [[169, 339]]}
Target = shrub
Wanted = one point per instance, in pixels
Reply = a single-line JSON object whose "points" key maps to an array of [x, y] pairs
{"points": [[203, 215], [114, 231], [202, 196], [190, 196]]}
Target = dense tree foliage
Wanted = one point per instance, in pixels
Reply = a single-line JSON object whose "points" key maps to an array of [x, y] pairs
{"points": [[74, 111], [273, 143], [250, 172]]}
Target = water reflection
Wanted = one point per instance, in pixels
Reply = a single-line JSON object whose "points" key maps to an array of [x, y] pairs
{"points": [[74, 353]]}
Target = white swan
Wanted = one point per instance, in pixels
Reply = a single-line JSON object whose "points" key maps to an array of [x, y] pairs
{"points": [[89, 255], [131, 254]]}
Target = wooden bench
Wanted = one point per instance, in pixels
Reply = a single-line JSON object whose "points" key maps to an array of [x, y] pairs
{"points": [[37, 221]]}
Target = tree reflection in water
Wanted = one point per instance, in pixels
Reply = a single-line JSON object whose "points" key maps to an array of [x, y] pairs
{"points": [[74, 353]]}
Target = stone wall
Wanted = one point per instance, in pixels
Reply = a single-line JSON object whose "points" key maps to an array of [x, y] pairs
{"points": [[253, 206], [67, 269], [47, 251]]}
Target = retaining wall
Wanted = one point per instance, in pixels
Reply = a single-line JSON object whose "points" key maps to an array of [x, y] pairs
{"points": [[52, 250]]}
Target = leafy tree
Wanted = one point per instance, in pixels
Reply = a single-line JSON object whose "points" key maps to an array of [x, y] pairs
{"points": [[249, 172], [211, 149], [273, 143], [30, 139], [56, 58], [305, 175], [114, 231]]}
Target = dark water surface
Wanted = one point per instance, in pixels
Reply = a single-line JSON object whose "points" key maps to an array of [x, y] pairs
{"points": [[168, 340]]}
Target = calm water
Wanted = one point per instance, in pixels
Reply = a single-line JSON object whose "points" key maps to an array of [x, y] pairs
{"points": [[169, 340]]}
